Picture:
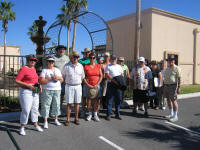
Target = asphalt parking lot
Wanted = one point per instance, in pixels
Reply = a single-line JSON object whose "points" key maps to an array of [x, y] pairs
{"points": [[132, 133]]}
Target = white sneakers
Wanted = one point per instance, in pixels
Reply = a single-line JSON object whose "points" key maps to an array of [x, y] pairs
{"points": [[89, 117], [57, 123], [22, 131], [173, 119], [39, 129], [96, 118], [46, 125]]}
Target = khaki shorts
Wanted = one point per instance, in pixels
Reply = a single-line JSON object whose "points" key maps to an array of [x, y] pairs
{"points": [[170, 91]]}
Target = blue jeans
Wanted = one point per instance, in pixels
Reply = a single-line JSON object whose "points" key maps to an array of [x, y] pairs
{"points": [[116, 95]]}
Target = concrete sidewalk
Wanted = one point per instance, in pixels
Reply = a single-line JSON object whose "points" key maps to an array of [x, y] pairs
{"points": [[14, 116]]}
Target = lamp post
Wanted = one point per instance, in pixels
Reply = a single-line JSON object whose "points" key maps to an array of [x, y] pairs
{"points": [[137, 30]]}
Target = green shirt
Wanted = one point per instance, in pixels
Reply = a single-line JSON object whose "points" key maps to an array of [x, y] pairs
{"points": [[172, 74], [85, 61]]}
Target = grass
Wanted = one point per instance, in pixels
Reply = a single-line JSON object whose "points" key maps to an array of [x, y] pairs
{"points": [[185, 89]]}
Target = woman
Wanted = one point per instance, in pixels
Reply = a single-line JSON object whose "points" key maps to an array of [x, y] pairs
{"points": [[51, 79], [163, 66], [157, 82], [93, 79], [27, 79]]}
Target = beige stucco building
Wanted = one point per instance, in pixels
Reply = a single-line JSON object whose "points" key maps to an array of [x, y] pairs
{"points": [[12, 58], [162, 33]]}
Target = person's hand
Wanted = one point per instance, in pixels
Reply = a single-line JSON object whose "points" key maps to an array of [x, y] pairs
{"points": [[178, 90], [90, 86], [31, 87], [96, 86]]}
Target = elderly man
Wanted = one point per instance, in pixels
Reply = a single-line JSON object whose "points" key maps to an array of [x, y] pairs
{"points": [[104, 81], [113, 70], [140, 80], [60, 60], [172, 81], [73, 74]]}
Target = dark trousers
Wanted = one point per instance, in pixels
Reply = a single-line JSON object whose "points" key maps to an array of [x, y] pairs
{"points": [[115, 95]]}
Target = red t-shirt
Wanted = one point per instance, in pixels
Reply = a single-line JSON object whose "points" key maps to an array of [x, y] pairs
{"points": [[92, 74], [27, 75]]}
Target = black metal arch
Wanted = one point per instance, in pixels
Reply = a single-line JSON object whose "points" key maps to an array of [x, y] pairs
{"points": [[97, 28]]}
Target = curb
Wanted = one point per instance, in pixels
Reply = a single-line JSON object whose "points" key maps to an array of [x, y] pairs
{"points": [[129, 102]]}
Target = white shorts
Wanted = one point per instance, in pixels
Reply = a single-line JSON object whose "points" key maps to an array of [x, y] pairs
{"points": [[73, 94]]}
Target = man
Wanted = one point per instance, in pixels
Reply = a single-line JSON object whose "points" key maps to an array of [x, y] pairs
{"points": [[73, 75], [85, 60], [113, 70], [60, 60], [172, 81], [104, 80], [140, 80], [126, 72]]}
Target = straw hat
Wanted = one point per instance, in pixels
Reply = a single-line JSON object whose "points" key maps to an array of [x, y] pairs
{"points": [[92, 92]]}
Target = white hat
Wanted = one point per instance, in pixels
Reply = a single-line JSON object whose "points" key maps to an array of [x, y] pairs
{"points": [[142, 59], [107, 54], [50, 58]]}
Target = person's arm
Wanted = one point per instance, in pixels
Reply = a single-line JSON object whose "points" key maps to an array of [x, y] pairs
{"points": [[128, 73], [160, 79], [46, 80], [21, 83], [100, 77]]}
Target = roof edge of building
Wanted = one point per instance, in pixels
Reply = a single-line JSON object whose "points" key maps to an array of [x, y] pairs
{"points": [[11, 46], [157, 11], [175, 16]]}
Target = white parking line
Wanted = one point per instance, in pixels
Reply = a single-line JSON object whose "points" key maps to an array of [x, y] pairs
{"points": [[110, 143], [186, 129]]}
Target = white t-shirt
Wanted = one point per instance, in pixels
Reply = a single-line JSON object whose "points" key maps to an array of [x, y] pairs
{"points": [[52, 85], [114, 70]]}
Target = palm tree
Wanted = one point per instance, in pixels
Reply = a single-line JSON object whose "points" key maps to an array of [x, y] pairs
{"points": [[65, 10], [77, 6], [6, 14], [32, 30]]}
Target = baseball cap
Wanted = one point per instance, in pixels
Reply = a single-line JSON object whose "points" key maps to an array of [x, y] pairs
{"points": [[113, 56], [142, 59], [121, 59]]}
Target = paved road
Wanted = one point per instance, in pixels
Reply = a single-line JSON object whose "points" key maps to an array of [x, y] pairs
{"points": [[132, 133]]}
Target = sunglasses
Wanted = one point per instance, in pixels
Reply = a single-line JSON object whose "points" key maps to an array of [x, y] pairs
{"points": [[92, 57], [33, 60], [51, 61], [75, 57]]}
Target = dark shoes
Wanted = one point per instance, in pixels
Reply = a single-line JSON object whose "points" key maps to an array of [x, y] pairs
{"points": [[108, 118], [77, 122], [146, 114], [118, 117], [67, 123]]}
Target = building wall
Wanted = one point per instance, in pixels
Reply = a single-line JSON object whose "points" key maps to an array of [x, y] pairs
{"points": [[12, 63], [123, 31], [172, 35]]}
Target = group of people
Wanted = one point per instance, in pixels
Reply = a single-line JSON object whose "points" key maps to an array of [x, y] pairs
{"points": [[92, 82]]}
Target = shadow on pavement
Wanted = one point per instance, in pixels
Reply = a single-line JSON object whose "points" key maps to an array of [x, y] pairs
{"points": [[157, 132]]}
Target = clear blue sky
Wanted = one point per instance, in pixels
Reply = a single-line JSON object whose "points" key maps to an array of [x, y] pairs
{"points": [[29, 10]]}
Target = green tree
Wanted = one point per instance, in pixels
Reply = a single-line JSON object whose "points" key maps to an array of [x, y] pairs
{"points": [[65, 11], [77, 6], [6, 14], [32, 30]]}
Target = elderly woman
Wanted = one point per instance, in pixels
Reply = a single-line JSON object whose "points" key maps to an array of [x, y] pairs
{"points": [[51, 79], [93, 79], [27, 79]]}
